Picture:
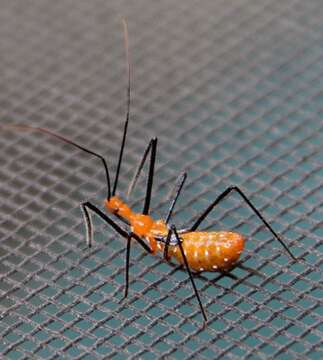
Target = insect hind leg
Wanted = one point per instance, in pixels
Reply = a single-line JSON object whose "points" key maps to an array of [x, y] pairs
{"points": [[224, 194]]}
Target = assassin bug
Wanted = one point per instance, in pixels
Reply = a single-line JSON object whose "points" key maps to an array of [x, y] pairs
{"points": [[197, 250]]}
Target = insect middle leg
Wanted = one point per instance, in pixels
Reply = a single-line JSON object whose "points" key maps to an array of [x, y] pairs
{"points": [[179, 244], [225, 193]]}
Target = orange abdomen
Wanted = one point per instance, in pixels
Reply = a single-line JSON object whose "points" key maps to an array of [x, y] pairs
{"points": [[209, 251]]}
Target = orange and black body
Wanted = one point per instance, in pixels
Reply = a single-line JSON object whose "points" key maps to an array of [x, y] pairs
{"points": [[205, 251], [196, 250]]}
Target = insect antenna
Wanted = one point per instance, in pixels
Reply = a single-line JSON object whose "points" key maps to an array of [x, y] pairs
{"points": [[64, 139], [126, 45]]}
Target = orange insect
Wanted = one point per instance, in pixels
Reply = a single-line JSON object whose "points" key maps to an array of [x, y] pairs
{"points": [[196, 250]]}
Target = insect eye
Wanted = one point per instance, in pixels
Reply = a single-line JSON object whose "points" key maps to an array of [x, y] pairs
{"points": [[113, 204]]}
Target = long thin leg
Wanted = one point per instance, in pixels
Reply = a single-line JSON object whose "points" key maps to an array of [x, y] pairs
{"points": [[152, 148], [89, 227], [150, 176], [169, 235], [175, 193], [123, 233], [137, 173], [189, 272], [206, 212], [127, 265]]}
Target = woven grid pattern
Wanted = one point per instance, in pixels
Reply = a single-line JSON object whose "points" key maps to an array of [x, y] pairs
{"points": [[234, 91]]}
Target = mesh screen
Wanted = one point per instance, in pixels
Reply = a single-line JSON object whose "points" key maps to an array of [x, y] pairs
{"points": [[234, 92]]}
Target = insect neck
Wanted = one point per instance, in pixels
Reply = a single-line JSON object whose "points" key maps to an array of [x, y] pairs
{"points": [[141, 224]]}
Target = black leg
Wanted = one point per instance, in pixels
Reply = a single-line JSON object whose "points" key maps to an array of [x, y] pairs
{"points": [[127, 265], [175, 193], [88, 206], [135, 178], [150, 176], [129, 236], [88, 225], [152, 147], [206, 212], [189, 272], [169, 235]]}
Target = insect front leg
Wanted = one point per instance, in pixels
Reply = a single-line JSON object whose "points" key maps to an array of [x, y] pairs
{"points": [[88, 206], [152, 148], [89, 226], [85, 207], [129, 236]]}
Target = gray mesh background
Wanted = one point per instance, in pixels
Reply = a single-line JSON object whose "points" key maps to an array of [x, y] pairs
{"points": [[233, 90]]}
